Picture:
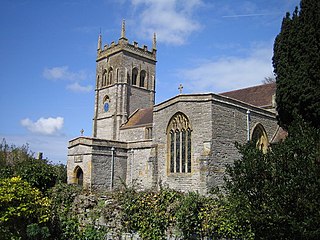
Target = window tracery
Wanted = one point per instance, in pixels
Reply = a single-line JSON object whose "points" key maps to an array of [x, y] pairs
{"points": [[179, 144]]}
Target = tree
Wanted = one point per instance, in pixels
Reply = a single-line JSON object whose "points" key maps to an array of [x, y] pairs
{"points": [[22, 207], [269, 79], [19, 161], [278, 192], [296, 63]]}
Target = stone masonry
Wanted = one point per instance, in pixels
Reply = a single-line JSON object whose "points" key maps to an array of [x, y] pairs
{"points": [[132, 143]]}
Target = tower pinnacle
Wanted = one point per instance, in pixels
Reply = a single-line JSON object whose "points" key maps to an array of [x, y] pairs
{"points": [[123, 29], [99, 41], [154, 42]]}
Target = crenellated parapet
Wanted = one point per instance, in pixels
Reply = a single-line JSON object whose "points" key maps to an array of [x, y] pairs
{"points": [[124, 45]]}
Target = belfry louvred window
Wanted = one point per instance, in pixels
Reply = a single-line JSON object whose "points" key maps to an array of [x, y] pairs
{"points": [[179, 144]]}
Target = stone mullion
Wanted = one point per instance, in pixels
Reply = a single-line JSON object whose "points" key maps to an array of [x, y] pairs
{"points": [[178, 153]]}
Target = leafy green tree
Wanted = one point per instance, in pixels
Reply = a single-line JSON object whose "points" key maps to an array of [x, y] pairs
{"points": [[21, 205], [296, 64], [277, 193], [19, 161]]}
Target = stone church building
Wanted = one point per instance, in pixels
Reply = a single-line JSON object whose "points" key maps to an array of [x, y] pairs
{"points": [[182, 143]]}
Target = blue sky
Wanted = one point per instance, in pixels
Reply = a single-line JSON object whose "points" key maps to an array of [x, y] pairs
{"points": [[48, 51]]}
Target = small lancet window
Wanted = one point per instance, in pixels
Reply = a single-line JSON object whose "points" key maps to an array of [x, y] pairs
{"points": [[134, 76], [179, 144]]}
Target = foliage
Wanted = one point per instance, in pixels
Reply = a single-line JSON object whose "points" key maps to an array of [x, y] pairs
{"points": [[187, 215], [269, 79], [21, 205], [296, 64], [19, 161], [35, 232], [158, 214], [277, 193], [63, 222], [149, 213]]}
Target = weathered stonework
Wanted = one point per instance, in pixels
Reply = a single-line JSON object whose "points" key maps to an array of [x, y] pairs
{"points": [[133, 147]]}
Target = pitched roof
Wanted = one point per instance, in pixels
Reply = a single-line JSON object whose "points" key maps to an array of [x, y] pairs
{"points": [[279, 136], [260, 96], [140, 117]]}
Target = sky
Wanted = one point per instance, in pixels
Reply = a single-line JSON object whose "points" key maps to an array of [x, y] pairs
{"points": [[48, 50]]}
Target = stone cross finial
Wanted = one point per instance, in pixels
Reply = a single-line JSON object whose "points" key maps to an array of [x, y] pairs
{"points": [[180, 88], [123, 29], [82, 131]]}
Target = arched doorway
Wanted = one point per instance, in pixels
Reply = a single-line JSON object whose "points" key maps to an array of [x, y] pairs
{"points": [[78, 176], [260, 138]]}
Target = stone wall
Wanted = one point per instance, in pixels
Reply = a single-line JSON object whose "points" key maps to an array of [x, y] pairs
{"points": [[141, 165], [217, 123], [95, 157], [198, 113], [133, 134]]}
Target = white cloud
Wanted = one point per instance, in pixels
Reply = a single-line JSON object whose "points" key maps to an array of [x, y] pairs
{"points": [[76, 87], [63, 73], [45, 126], [228, 73], [172, 20]]}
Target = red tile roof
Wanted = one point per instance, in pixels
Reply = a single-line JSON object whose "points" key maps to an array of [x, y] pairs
{"points": [[260, 96], [139, 118]]}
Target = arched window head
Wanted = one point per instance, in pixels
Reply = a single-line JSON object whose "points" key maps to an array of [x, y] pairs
{"points": [[134, 76], [260, 138], [110, 76], [104, 78], [142, 78], [78, 176], [179, 144]]}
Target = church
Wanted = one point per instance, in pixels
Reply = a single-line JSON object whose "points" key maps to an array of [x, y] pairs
{"points": [[183, 143]]}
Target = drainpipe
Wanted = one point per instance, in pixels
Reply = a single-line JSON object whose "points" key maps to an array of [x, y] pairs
{"points": [[131, 168], [248, 125], [112, 167]]}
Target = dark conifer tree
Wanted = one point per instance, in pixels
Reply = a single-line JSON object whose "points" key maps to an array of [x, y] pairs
{"points": [[296, 64]]}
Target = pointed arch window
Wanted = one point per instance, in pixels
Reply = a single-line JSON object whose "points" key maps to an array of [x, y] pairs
{"points": [[134, 76], [142, 78], [179, 144], [260, 138], [78, 176]]}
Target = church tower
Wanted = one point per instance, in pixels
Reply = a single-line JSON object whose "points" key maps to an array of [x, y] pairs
{"points": [[125, 82]]}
